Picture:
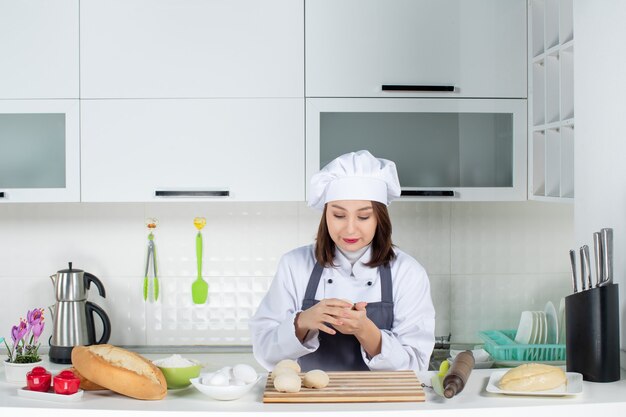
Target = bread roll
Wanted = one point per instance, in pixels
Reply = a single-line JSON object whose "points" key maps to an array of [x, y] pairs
{"points": [[120, 370], [288, 363], [86, 384], [288, 382], [532, 377], [316, 379]]}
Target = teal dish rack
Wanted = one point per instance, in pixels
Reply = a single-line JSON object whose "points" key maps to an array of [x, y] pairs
{"points": [[501, 346]]}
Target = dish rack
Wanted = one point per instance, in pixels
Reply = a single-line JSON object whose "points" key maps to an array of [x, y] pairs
{"points": [[501, 346]]}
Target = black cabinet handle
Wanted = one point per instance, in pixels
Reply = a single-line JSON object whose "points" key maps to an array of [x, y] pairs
{"points": [[427, 193], [199, 193], [423, 88], [1, 194]]}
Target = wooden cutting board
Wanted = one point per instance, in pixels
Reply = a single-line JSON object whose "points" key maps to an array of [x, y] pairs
{"points": [[354, 387]]}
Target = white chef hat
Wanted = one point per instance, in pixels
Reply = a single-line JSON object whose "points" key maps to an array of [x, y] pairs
{"points": [[355, 176]]}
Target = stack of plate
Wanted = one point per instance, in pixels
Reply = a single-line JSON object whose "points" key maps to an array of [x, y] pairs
{"points": [[542, 327]]}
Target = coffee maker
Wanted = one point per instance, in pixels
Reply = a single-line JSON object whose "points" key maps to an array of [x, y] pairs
{"points": [[72, 315]]}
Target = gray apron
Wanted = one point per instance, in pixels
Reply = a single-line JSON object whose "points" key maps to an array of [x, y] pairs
{"points": [[342, 352]]}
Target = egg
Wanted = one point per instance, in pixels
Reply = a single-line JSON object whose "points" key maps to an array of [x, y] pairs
{"points": [[228, 371], [219, 379], [245, 373]]}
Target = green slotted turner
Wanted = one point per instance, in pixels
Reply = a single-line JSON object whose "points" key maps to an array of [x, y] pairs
{"points": [[199, 288]]}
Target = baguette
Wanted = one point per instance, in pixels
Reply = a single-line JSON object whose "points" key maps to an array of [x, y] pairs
{"points": [[120, 370], [86, 384], [533, 377]]}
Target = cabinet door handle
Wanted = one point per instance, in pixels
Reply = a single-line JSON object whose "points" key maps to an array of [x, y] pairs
{"points": [[1, 194], [194, 193], [427, 193], [425, 88]]}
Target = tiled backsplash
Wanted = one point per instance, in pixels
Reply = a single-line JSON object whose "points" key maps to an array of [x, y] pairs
{"points": [[486, 261]]}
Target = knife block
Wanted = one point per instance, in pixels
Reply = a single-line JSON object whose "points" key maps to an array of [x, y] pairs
{"points": [[592, 333]]}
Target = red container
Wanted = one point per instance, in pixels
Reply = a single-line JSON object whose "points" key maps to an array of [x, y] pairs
{"points": [[66, 383], [38, 379]]}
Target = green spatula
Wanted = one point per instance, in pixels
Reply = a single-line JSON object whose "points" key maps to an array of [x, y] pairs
{"points": [[199, 288]]}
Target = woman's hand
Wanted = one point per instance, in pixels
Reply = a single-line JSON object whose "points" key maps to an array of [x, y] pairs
{"points": [[331, 311], [355, 322]]}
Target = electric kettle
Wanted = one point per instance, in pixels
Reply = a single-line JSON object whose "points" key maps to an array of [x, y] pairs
{"points": [[72, 315]]}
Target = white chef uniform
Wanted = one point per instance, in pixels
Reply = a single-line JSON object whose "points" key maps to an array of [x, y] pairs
{"points": [[409, 343], [399, 300]]}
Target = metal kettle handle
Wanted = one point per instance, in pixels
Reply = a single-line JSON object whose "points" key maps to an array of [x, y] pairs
{"points": [[89, 278], [91, 331]]}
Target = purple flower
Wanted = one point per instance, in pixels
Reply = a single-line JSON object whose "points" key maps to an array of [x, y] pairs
{"points": [[37, 330], [25, 336], [19, 331], [35, 322]]}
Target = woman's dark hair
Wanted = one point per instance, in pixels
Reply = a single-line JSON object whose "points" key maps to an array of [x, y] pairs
{"points": [[382, 246]]}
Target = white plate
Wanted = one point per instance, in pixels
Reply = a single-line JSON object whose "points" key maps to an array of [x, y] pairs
{"points": [[562, 321], [50, 395], [553, 323], [543, 328], [525, 328], [573, 386]]}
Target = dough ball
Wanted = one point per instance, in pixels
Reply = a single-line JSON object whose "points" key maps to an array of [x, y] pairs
{"points": [[316, 379], [244, 373], [288, 363], [288, 382], [282, 370]]}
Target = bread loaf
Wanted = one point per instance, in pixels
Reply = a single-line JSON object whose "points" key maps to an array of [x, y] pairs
{"points": [[532, 377], [120, 370], [86, 384]]}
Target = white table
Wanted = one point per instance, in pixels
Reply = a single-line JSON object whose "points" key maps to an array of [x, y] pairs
{"points": [[597, 399]]}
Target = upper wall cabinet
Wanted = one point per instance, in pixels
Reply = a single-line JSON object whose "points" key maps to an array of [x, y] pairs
{"points": [[191, 48], [38, 49], [39, 151], [417, 48], [209, 150]]}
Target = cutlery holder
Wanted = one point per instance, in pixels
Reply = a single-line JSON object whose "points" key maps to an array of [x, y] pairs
{"points": [[592, 333]]}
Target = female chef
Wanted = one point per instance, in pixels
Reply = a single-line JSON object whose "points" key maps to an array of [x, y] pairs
{"points": [[352, 301]]}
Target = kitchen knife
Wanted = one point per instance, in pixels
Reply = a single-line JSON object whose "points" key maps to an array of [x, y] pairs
{"points": [[587, 266], [572, 258], [597, 252], [607, 256], [583, 269]]}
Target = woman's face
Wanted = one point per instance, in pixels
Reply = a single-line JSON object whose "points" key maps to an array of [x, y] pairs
{"points": [[351, 223]]}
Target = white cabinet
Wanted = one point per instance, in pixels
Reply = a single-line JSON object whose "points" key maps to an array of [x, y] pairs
{"points": [[38, 49], [39, 151], [354, 47], [452, 149], [192, 48], [214, 149], [551, 100]]}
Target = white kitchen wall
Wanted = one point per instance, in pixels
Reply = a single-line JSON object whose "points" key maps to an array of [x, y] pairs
{"points": [[599, 85], [486, 262]]}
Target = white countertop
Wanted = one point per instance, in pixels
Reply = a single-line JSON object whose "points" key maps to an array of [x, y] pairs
{"points": [[473, 401]]}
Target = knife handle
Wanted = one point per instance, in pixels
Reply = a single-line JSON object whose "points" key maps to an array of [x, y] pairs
{"points": [[587, 266], [598, 255], [607, 256], [583, 269], [572, 259]]}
